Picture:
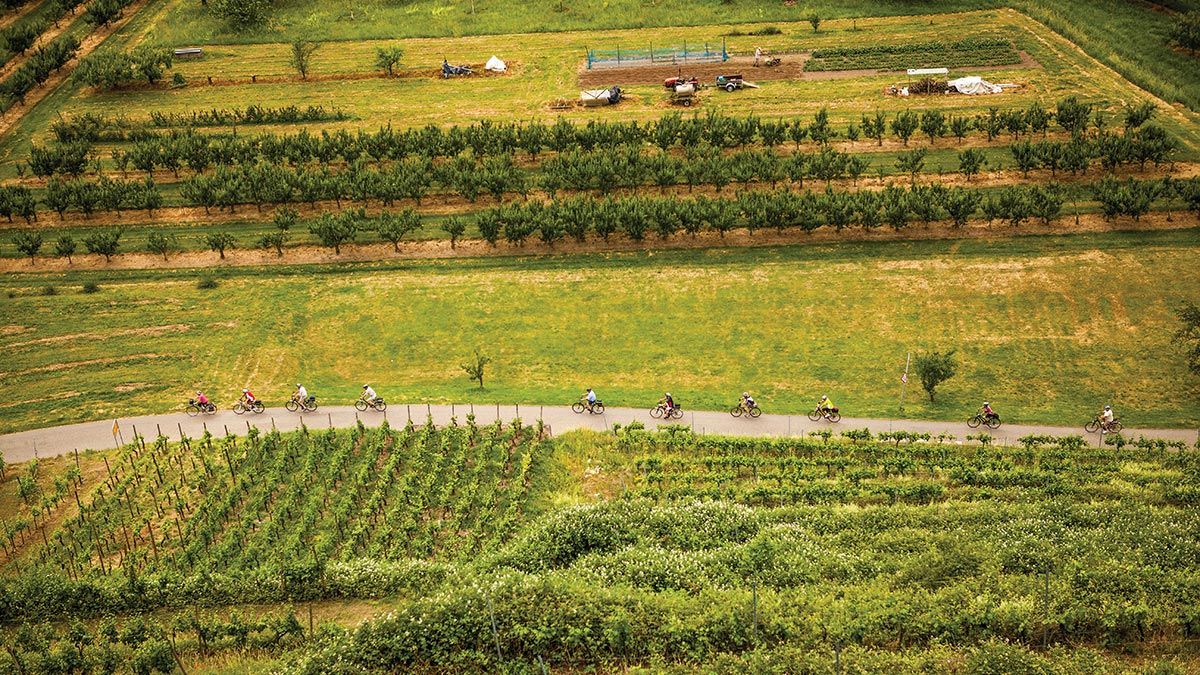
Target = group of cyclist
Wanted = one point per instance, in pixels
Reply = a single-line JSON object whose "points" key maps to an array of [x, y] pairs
{"points": [[825, 407]]}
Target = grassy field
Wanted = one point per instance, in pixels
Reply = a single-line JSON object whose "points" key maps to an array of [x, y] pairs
{"points": [[1047, 328]]}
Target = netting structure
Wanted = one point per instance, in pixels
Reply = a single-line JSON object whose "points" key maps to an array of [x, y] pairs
{"points": [[651, 55]]}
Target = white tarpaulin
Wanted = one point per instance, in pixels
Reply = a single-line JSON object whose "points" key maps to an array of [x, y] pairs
{"points": [[974, 85], [495, 65]]}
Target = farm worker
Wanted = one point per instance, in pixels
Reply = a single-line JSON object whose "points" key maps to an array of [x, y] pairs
{"points": [[757, 55], [825, 406], [201, 399], [747, 402], [987, 411], [301, 393], [247, 396], [369, 394], [591, 399]]}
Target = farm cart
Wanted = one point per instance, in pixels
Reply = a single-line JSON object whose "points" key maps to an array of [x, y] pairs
{"points": [[734, 82], [684, 94], [448, 70]]}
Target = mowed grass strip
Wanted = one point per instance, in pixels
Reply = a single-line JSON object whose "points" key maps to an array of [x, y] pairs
{"points": [[1047, 329]]}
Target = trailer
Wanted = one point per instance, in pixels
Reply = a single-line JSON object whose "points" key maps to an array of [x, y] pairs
{"points": [[732, 83]]}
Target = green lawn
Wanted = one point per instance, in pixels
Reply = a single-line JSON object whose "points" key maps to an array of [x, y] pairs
{"points": [[1048, 328]]}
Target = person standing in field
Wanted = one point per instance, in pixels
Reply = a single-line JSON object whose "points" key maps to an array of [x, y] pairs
{"points": [[757, 55]]}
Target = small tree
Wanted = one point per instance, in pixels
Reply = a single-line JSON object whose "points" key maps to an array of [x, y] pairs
{"points": [[970, 162], [1188, 336], [455, 227], [104, 242], [387, 58], [242, 14], [1185, 32], [273, 240], [814, 19], [335, 230], [905, 124], [474, 367], [911, 162], [162, 244], [302, 51], [935, 368], [219, 241], [393, 228], [28, 243], [65, 248]]}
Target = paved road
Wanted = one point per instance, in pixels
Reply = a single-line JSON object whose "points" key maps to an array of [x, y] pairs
{"points": [[24, 445]]}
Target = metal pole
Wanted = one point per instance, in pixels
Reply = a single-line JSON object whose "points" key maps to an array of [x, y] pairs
{"points": [[1046, 611], [904, 380], [754, 589], [495, 634]]}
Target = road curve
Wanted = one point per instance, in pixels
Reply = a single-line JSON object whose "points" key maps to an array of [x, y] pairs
{"points": [[52, 441]]}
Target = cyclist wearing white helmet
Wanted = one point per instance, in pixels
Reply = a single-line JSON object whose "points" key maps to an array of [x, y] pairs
{"points": [[986, 411], [368, 394], [201, 399], [825, 406], [247, 397], [667, 402], [747, 401], [1106, 417], [301, 394]]}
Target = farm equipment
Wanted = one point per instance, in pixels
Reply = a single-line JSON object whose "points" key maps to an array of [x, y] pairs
{"points": [[734, 82], [597, 97], [772, 61], [448, 70], [671, 82], [683, 94]]}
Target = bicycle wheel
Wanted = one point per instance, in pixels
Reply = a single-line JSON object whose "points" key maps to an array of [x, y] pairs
{"points": [[813, 415], [676, 412], [1092, 427], [310, 406], [257, 407], [835, 417], [238, 408], [578, 407], [210, 409], [736, 411], [192, 410], [975, 421], [597, 408], [1115, 427], [292, 406], [993, 422], [656, 412], [360, 405], [755, 411]]}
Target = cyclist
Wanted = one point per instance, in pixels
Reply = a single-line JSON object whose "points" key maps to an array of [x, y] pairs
{"points": [[590, 397], [301, 394], [247, 397], [1106, 418], [987, 412], [747, 401], [825, 406], [201, 400], [667, 403], [369, 394]]}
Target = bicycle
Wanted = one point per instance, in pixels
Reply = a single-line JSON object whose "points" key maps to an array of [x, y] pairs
{"points": [[256, 406], [1098, 425], [308, 405], [990, 421], [831, 414], [581, 405], [377, 404], [194, 408], [660, 410], [752, 411]]}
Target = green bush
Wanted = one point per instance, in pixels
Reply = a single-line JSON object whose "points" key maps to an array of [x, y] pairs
{"points": [[206, 283]]}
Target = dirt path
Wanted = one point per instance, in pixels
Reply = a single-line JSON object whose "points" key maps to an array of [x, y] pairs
{"points": [[15, 15], [440, 248], [86, 47], [25, 445]]}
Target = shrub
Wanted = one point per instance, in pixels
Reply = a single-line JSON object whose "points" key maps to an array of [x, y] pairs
{"points": [[49, 290], [206, 283], [91, 287]]}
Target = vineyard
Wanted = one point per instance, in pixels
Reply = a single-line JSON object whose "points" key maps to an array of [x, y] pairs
{"points": [[240, 512], [957, 54], [895, 553]]}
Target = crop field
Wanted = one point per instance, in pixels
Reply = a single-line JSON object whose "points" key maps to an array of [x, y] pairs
{"points": [[239, 219], [595, 552], [1049, 328]]}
